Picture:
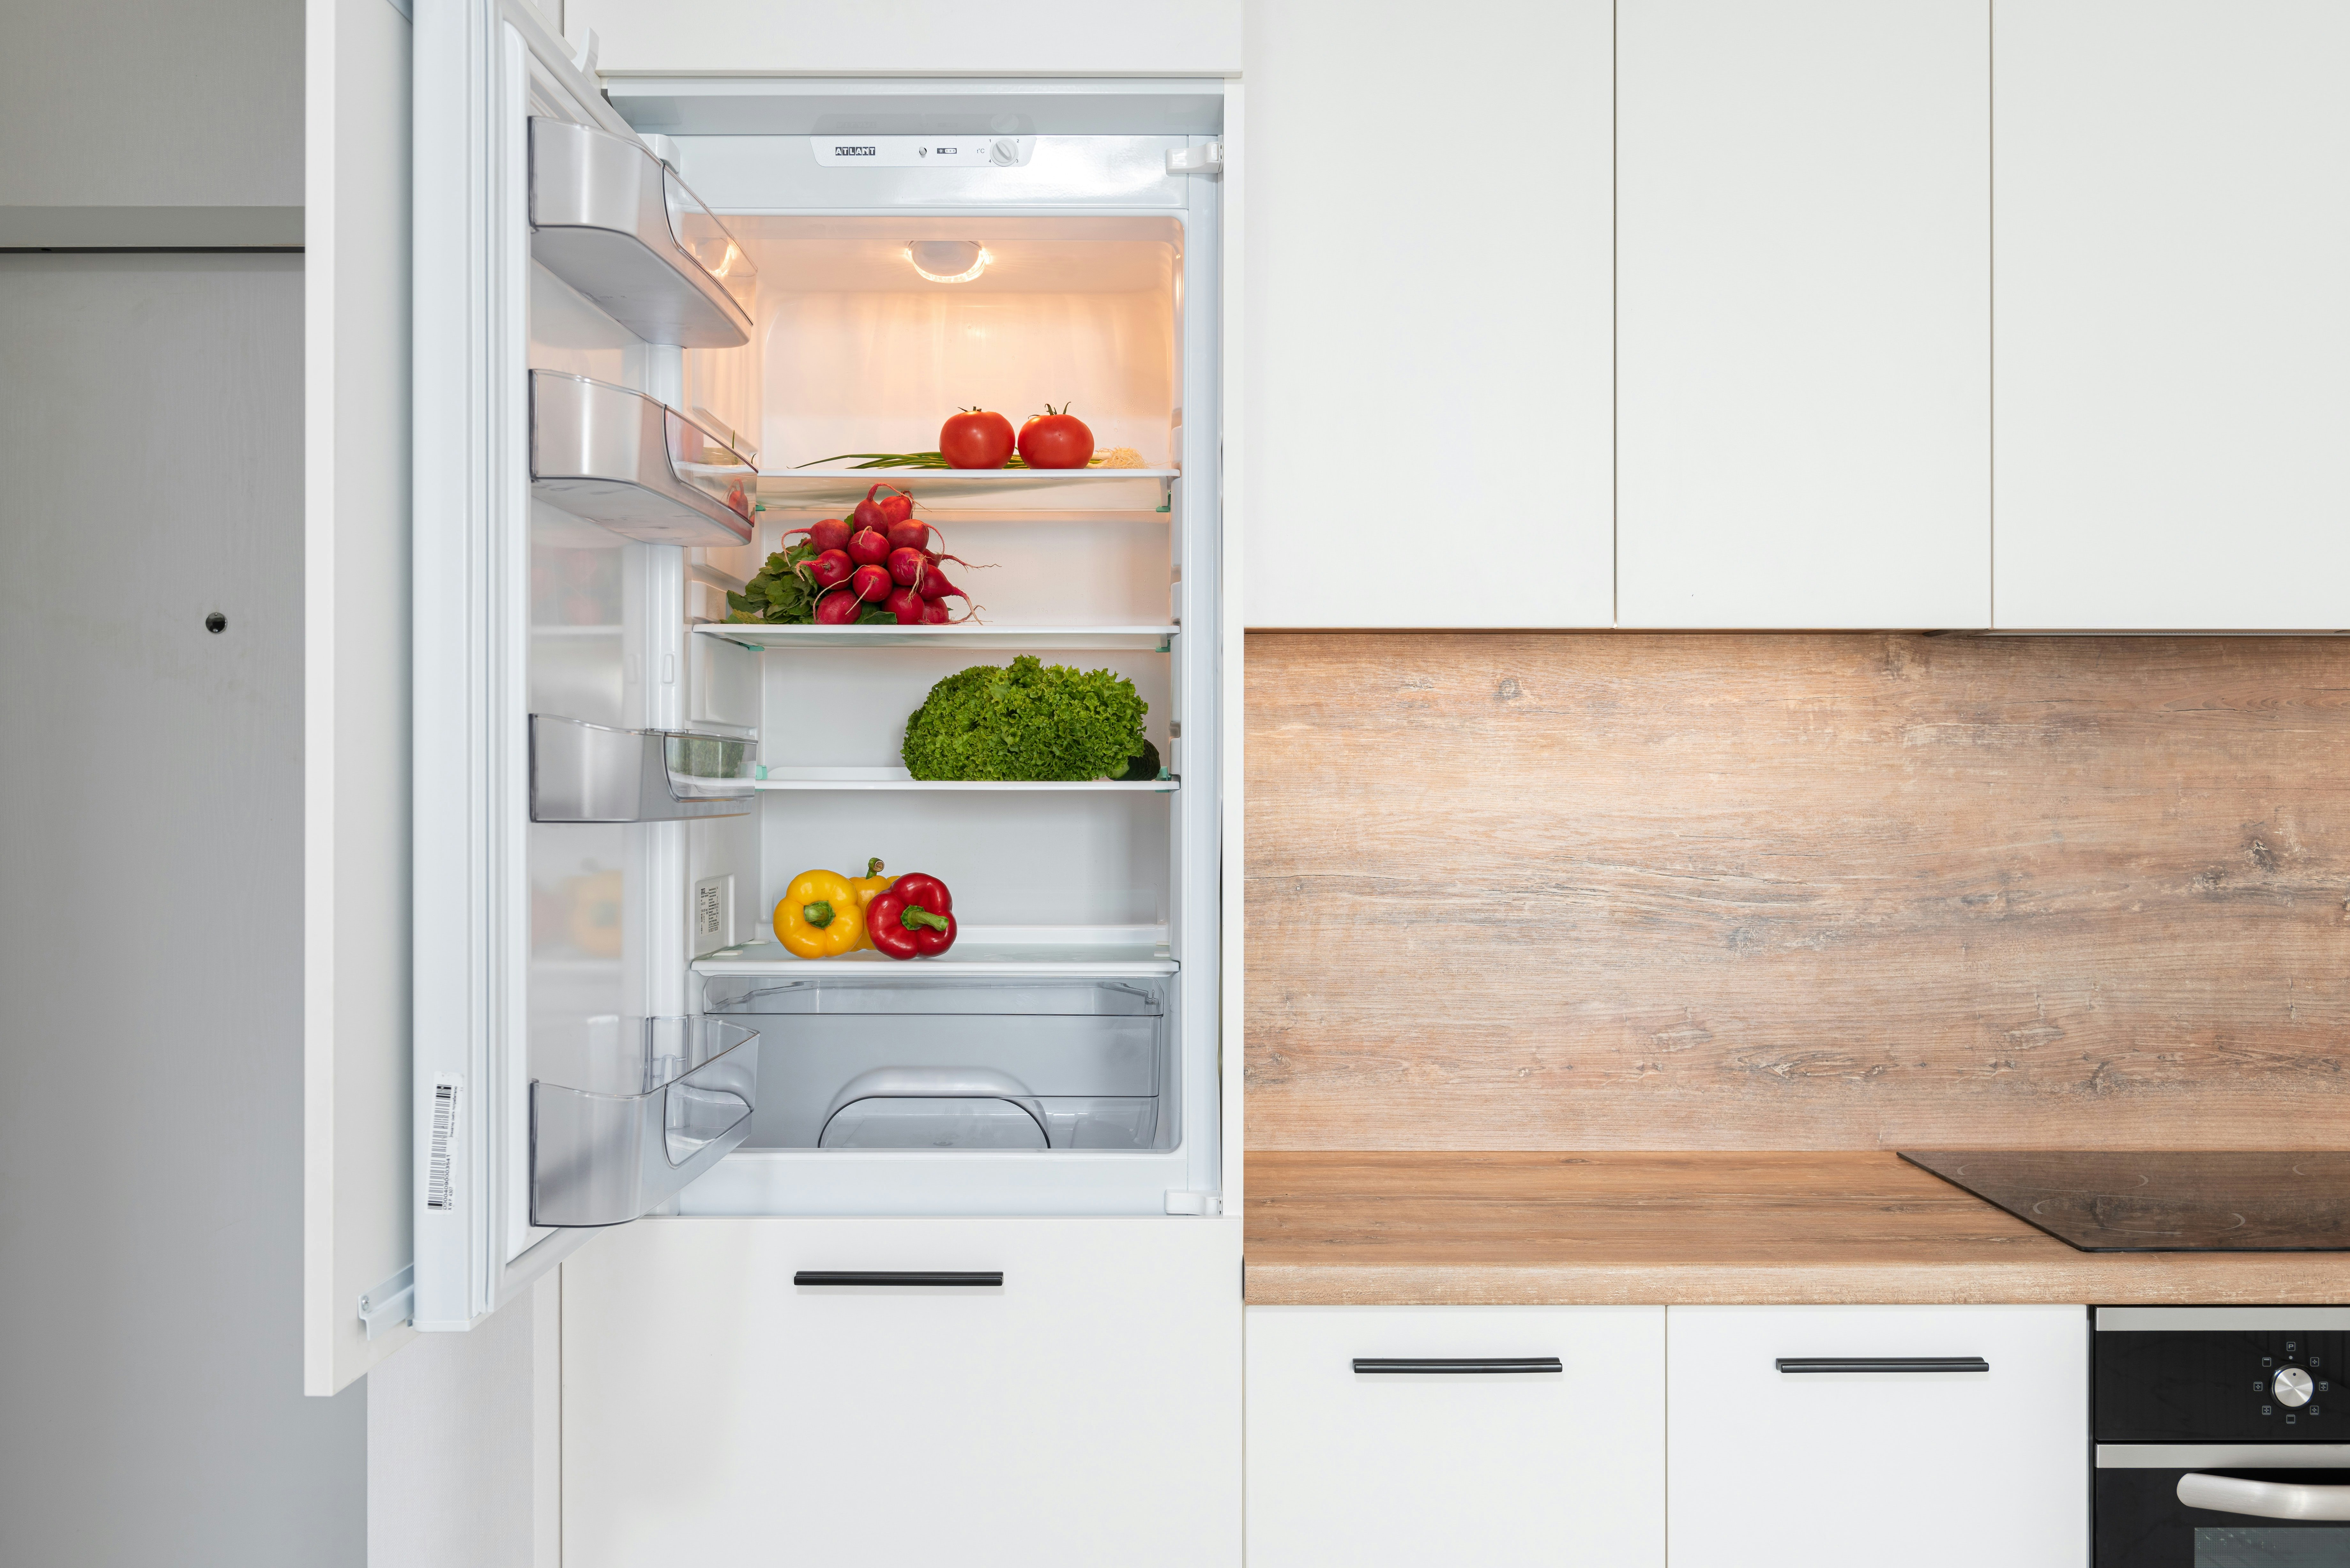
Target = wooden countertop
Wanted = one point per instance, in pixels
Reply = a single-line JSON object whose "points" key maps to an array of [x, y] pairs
{"points": [[1328, 1229]]}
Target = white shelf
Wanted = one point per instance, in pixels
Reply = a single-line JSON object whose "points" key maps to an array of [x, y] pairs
{"points": [[1015, 489], [979, 953], [1016, 638], [899, 778]]}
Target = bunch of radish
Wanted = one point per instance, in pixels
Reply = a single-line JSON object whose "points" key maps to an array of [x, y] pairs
{"points": [[881, 554]]}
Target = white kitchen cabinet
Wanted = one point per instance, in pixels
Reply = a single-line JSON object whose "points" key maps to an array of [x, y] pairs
{"points": [[1088, 1409], [1427, 379], [910, 39], [1777, 1469], [2173, 242], [1374, 1469], [1803, 314]]}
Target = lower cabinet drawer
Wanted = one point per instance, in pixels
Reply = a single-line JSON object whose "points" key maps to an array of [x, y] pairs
{"points": [[1411, 1436], [872, 1391], [1837, 1436]]}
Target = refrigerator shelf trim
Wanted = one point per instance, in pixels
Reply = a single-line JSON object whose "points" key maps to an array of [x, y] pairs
{"points": [[1016, 638]]}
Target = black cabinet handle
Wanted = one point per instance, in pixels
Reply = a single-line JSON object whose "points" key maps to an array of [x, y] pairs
{"points": [[895, 1277], [1469, 1363], [1883, 1363]]}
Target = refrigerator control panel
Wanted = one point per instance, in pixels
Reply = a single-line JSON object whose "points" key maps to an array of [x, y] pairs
{"points": [[923, 151]]}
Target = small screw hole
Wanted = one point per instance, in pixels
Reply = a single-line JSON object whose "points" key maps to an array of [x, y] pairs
{"points": [[216, 622]]}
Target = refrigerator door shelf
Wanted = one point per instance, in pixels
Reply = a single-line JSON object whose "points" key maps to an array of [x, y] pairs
{"points": [[635, 465], [616, 223], [589, 773], [604, 1152]]}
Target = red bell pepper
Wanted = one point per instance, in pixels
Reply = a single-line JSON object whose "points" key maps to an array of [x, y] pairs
{"points": [[915, 918]]}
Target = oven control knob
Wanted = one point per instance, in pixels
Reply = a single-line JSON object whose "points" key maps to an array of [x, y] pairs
{"points": [[2293, 1387]]}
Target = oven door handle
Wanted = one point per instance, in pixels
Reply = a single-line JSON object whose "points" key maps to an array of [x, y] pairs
{"points": [[2263, 1499]]}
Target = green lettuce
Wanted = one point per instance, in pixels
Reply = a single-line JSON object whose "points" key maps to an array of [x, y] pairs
{"points": [[1026, 722]]}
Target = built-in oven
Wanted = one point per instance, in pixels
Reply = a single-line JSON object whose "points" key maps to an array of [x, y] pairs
{"points": [[2219, 1439]]}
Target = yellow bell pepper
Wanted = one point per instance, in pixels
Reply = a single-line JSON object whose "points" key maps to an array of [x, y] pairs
{"points": [[867, 887], [819, 915]]}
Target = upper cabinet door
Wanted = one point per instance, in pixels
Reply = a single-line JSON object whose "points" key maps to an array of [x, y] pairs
{"points": [[1802, 313], [912, 37], [1426, 381], [355, 757], [2173, 279]]}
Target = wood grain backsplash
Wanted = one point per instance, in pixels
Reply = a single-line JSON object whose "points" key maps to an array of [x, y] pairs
{"points": [[1797, 892]]}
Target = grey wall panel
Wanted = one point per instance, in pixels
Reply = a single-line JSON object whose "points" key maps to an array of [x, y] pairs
{"points": [[151, 103], [151, 926]]}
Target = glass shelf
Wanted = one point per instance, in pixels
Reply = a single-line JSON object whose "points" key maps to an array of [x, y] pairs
{"points": [[1125, 492], [1015, 638], [899, 779], [979, 950]]}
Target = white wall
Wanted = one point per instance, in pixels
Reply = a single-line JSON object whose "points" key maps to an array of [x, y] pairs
{"points": [[150, 122], [464, 1463], [150, 927], [910, 37]]}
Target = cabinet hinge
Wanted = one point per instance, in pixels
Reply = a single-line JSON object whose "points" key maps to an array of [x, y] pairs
{"points": [[391, 1304]]}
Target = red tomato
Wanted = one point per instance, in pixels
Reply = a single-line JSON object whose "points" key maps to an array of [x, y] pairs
{"points": [[976, 438], [1053, 440]]}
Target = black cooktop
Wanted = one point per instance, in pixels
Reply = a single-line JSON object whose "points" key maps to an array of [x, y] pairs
{"points": [[2140, 1201]]}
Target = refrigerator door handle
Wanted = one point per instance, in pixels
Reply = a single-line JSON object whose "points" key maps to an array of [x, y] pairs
{"points": [[1454, 1365], [893, 1278], [1854, 1364]]}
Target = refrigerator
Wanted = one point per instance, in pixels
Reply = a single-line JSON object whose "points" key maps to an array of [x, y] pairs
{"points": [[643, 361]]}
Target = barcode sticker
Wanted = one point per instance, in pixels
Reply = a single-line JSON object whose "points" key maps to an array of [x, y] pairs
{"points": [[440, 1185], [714, 914]]}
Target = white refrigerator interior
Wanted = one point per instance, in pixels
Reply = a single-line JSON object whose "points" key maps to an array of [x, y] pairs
{"points": [[639, 365]]}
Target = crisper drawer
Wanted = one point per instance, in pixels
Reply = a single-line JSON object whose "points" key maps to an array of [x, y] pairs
{"points": [[1851, 1437], [998, 1064], [1085, 1410], [1400, 1437]]}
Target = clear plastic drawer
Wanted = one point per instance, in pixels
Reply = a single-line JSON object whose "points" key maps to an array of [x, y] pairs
{"points": [[980, 1065]]}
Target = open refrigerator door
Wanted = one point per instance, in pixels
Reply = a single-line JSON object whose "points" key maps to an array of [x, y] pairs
{"points": [[645, 366]]}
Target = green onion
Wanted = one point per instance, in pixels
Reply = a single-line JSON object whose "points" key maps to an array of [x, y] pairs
{"points": [[908, 460]]}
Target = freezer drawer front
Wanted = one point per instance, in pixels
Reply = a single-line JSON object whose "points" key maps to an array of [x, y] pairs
{"points": [[1398, 1437], [1088, 1410]]}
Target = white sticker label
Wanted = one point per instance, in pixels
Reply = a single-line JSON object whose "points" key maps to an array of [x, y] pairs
{"points": [[714, 914], [439, 1180]]}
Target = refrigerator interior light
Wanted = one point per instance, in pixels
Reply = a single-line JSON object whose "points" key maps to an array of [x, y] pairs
{"points": [[948, 261]]}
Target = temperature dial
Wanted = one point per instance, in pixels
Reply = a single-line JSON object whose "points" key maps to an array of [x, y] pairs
{"points": [[2293, 1387]]}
